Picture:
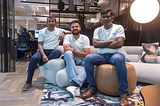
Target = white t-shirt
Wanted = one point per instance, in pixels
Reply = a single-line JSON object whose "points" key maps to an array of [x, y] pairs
{"points": [[79, 44], [111, 34], [50, 38]]}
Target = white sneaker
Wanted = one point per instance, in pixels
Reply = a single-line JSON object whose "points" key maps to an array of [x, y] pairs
{"points": [[77, 91], [74, 90]]}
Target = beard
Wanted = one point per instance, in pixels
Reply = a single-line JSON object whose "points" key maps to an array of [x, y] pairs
{"points": [[51, 26], [107, 22], [75, 32]]}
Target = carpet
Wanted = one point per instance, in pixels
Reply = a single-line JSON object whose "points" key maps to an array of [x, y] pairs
{"points": [[56, 96]]}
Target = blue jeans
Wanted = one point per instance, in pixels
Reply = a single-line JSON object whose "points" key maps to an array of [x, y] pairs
{"points": [[37, 58], [117, 59], [71, 63]]}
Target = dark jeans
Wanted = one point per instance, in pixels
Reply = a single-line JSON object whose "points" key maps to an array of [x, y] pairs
{"points": [[118, 60], [37, 58]]}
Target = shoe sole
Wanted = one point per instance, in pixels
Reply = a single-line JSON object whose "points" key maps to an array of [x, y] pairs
{"points": [[25, 89], [88, 97]]}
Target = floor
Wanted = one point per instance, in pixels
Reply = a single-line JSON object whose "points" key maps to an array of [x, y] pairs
{"points": [[12, 82]]}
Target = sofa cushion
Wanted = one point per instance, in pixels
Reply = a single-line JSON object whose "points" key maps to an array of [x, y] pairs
{"points": [[50, 69], [158, 60], [150, 52], [123, 51], [147, 73], [62, 78], [133, 49], [134, 58]]}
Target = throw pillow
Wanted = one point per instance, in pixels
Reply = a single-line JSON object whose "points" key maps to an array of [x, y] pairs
{"points": [[150, 52], [123, 51]]}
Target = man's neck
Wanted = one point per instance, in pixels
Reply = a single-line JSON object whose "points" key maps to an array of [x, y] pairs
{"points": [[108, 26], [50, 29], [76, 36]]}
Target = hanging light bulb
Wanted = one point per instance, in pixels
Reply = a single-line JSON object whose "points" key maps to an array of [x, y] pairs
{"points": [[144, 11]]}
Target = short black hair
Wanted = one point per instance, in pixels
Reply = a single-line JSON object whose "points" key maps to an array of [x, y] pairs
{"points": [[106, 11], [51, 16], [74, 21], [24, 29]]}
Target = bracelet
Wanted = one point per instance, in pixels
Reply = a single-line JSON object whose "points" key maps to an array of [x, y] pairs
{"points": [[74, 51]]}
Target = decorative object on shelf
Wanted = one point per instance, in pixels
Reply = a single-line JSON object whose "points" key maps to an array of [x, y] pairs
{"points": [[71, 5], [95, 2], [144, 13], [60, 5]]}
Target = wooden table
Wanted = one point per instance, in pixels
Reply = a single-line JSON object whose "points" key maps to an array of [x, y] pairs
{"points": [[151, 95]]}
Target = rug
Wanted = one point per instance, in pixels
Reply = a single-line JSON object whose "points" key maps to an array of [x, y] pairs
{"points": [[56, 96]]}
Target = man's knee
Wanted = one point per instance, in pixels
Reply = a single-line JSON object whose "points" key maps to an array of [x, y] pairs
{"points": [[68, 54], [58, 52], [88, 58], [119, 58]]}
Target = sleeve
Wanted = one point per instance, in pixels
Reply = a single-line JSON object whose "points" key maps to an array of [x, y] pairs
{"points": [[66, 39], [120, 32], [40, 36], [87, 43], [63, 30], [95, 34]]}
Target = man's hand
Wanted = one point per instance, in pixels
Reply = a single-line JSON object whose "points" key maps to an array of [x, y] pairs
{"points": [[67, 47], [61, 36], [45, 58]]}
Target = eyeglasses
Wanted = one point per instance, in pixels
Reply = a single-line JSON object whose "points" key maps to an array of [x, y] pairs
{"points": [[106, 17]]}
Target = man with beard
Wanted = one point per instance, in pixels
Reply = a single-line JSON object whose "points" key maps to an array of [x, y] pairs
{"points": [[76, 47], [108, 38], [48, 41]]}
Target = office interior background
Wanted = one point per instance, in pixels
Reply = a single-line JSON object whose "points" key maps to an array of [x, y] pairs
{"points": [[32, 14]]}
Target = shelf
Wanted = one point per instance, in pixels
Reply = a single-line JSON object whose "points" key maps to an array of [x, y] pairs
{"points": [[80, 12]]}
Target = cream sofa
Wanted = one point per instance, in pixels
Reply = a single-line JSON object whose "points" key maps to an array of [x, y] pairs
{"points": [[55, 72]]}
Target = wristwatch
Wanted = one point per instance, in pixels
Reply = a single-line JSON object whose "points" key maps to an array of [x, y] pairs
{"points": [[64, 32], [74, 51]]}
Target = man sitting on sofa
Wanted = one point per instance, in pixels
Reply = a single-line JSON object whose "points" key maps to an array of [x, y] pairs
{"points": [[76, 47], [108, 38], [48, 41]]}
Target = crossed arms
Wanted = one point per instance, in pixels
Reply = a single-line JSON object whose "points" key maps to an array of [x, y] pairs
{"points": [[78, 54], [113, 44]]}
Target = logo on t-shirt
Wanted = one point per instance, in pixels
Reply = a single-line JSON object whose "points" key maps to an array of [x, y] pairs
{"points": [[81, 43], [56, 35]]}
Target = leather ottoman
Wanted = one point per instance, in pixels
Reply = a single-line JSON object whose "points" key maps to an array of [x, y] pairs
{"points": [[107, 80]]}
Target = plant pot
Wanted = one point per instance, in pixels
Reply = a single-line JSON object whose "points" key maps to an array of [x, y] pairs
{"points": [[61, 5]]}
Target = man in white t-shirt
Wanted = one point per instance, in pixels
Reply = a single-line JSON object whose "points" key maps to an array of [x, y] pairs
{"points": [[76, 47], [48, 41], [108, 38]]}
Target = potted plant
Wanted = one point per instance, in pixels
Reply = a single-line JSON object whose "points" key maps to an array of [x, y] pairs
{"points": [[81, 18], [60, 5]]}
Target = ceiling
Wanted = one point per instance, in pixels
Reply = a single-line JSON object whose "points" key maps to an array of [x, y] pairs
{"points": [[31, 14]]}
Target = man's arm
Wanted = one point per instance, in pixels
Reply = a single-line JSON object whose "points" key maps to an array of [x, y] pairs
{"points": [[31, 36], [77, 53], [82, 55], [61, 36], [101, 44], [113, 44], [45, 58]]}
